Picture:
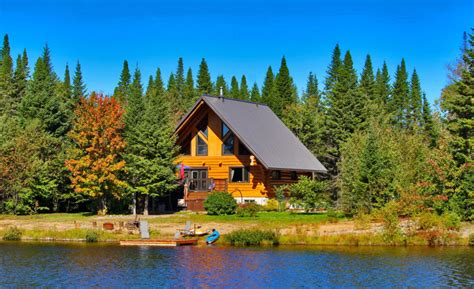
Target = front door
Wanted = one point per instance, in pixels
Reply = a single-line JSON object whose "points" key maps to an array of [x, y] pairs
{"points": [[198, 180]]}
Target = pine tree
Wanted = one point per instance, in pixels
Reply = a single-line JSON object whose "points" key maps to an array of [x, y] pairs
{"points": [[382, 85], [367, 81], [255, 93], [190, 95], [285, 92], [400, 95], [268, 88], [415, 105], [78, 86], [333, 69], [150, 87], [221, 83], [204, 84], [244, 89], [67, 84], [20, 81], [159, 84], [6, 77], [180, 87], [312, 90], [122, 91], [234, 88]]}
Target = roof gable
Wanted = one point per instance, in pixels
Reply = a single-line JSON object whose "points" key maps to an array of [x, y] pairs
{"points": [[262, 132]]}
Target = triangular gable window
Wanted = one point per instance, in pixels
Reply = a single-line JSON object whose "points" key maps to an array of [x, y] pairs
{"points": [[227, 140], [202, 126]]}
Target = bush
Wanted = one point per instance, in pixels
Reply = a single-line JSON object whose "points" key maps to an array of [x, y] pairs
{"points": [[252, 237], [272, 205], [220, 203], [12, 234], [435, 229], [451, 221], [92, 236], [309, 194], [248, 210], [392, 234]]}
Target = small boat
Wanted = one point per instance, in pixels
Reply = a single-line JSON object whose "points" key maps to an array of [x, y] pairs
{"points": [[199, 232], [212, 237], [159, 243]]}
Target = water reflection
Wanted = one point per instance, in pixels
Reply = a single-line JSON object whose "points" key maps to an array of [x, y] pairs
{"points": [[82, 265]]}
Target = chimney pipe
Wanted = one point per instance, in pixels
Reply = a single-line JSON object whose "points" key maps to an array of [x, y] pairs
{"points": [[221, 91]]}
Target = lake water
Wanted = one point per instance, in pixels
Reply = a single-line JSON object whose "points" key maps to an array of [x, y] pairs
{"points": [[98, 265]]}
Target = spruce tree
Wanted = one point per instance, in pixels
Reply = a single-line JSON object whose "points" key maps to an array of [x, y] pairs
{"points": [[190, 95], [67, 84], [244, 89], [333, 69], [428, 123], [159, 84], [150, 87], [367, 81], [172, 94], [204, 84], [78, 86], [285, 92], [234, 88], [180, 86], [312, 90], [122, 91], [221, 83], [6, 77], [268, 87], [415, 102], [20, 81], [382, 85], [400, 95], [255, 93]]}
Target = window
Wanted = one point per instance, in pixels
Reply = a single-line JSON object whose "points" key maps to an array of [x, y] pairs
{"points": [[225, 129], [201, 147], [202, 126], [294, 176], [185, 147], [228, 145], [243, 151], [239, 175], [276, 175]]}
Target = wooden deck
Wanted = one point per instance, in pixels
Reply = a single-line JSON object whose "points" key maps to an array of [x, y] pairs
{"points": [[159, 243]]}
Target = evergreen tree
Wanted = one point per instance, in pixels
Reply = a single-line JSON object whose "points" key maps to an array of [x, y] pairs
{"points": [[150, 87], [78, 86], [204, 84], [221, 83], [367, 81], [255, 93], [67, 84], [428, 123], [382, 85], [190, 95], [234, 88], [159, 84], [268, 87], [333, 69], [312, 90], [172, 94], [415, 105], [244, 89], [122, 91], [20, 81], [6, 76], [400, 95], [181, 102], [285, 92]]}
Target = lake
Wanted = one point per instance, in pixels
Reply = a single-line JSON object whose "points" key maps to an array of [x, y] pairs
{"points": [[98, 265]]}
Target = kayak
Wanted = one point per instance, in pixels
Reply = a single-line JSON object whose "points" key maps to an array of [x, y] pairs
{"points": [[212, 237]]}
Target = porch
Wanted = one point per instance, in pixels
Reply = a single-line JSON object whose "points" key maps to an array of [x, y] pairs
{"points": [[199, 188]]}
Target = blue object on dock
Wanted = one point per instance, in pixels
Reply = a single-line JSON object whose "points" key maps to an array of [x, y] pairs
{"points": [[212, 237]]}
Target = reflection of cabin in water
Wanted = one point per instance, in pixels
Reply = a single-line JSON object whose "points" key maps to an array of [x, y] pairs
{"points": [[238, 147]]}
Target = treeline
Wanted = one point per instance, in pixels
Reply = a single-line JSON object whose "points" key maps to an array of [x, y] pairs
{"points": [[61, 150]]}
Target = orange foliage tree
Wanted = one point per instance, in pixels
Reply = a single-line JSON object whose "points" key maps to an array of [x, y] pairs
{"points": [[95, 164]]}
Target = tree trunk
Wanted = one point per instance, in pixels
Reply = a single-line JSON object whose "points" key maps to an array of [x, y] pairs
{"points": [[103, 206], [145, 205], [134, 204]]}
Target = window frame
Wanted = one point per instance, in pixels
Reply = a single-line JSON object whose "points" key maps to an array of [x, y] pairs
{"points": [[244, 169], [279, 175], [197, 145], [294, 175]]}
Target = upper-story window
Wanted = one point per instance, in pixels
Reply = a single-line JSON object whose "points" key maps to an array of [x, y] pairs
{"points": [[201, 146], [227, 140], [185, 147], [202, 126]]}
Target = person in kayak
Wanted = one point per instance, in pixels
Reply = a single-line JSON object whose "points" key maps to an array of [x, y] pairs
{"points": [[212, 237]]}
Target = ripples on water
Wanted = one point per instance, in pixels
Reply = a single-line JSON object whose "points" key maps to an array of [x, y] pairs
{"points": [[84, 265]]}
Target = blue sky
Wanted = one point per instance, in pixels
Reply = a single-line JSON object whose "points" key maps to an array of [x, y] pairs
{"points": [[238, 37]]}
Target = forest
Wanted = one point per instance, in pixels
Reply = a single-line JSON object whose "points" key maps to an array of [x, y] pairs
{"points": [[64, 148]]}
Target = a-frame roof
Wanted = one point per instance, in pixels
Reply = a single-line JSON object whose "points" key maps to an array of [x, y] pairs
{"points": [[262, 132]]}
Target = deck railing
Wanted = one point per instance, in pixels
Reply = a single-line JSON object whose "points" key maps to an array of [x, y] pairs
{"points": [[208, 185]]}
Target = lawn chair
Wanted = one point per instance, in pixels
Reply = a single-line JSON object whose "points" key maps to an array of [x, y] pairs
{"points": [[187, 229]]}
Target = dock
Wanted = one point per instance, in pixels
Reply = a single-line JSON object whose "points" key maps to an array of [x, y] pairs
{"points": [[159, 243]]}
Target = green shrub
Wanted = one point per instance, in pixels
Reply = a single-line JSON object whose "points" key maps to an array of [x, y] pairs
{"points": [[471, 239], [252, 237], [220, 203], [272, 205], [309, 194], [248, 210], [12, 234], [392, 234], [451, 221], [92, 236]]}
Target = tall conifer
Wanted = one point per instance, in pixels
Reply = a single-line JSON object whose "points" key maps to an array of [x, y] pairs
{"points": [[415, 102], [234, 88], [255, 93], [333, 69], [244, 89], [400, 94], [367, 81], [285, 92], [221, 83], [122, 91], [78, 86], [204, 84], [189, 90], [6, 76], [268, 87], [382, 85]]}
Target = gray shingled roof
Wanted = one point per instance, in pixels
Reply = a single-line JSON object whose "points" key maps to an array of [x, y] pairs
{"points": [[264, 134]]}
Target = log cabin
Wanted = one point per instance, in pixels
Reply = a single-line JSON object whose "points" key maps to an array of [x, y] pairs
{"points": [[239, 147]]}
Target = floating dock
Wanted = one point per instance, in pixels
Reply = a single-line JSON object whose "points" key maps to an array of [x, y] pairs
{"points": [[159, 243]]}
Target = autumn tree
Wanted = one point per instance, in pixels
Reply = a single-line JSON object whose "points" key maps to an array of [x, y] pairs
{"points": [[95, 164]]}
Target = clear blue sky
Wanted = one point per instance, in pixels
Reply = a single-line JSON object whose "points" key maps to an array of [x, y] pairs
{"points": [[238, 37]]}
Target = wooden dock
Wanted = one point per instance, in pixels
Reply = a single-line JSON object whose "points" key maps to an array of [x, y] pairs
{"points": [[159, 243]]}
